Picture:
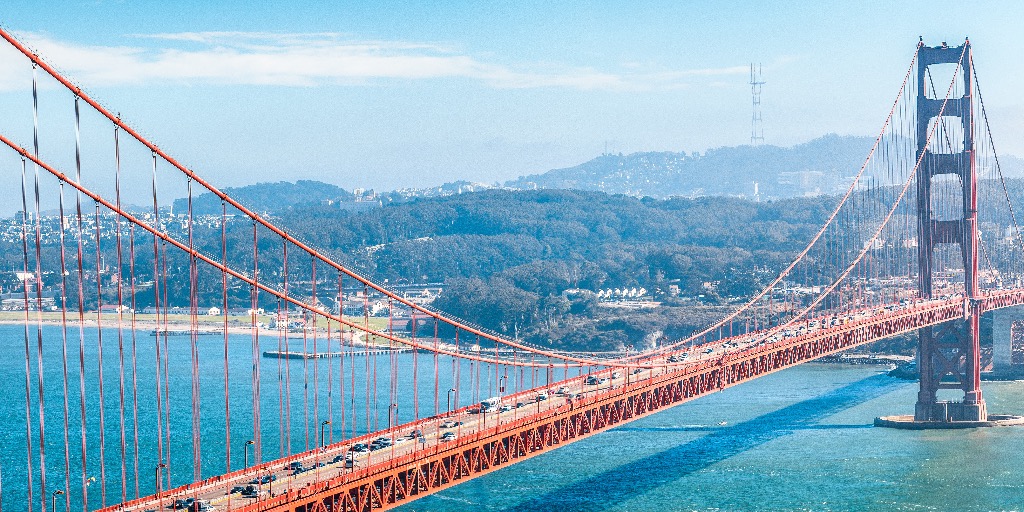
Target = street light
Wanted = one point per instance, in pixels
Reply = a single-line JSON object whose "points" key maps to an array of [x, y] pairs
{"points": [[159, 497], [322, 425], [245, 449], [261, 475], [53, 499], [450, 391]]}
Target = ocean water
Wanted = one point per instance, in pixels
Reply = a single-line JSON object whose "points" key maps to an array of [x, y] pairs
{"points": [[799, 439]]}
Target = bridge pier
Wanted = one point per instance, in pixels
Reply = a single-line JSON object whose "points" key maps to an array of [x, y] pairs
{"points": [[949, 353]]}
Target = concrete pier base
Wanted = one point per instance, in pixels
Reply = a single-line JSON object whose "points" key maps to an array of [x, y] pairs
{"points": [[907, 422]]}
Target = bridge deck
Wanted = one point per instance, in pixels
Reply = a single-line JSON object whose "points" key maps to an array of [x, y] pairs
{"points": [[389, 477]]}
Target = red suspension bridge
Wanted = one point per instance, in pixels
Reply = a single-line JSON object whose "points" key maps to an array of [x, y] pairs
{"points": [[924, 239]]}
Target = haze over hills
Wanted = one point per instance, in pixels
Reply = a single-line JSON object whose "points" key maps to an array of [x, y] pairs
{"points": [[821, 166]]}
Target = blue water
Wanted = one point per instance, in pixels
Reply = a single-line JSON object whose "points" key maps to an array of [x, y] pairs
{"points": [[281, 382], [795, 440]]}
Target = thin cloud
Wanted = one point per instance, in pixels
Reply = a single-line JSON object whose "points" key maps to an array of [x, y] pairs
{"points": [[303, 60]]}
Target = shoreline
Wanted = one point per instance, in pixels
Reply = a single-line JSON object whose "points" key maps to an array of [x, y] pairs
{"points": [[177, 325]]}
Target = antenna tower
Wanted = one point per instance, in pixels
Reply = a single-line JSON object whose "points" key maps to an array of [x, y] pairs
{"points": [[756, 128]]}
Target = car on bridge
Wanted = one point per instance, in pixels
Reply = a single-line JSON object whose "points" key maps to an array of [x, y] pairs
{"points": [[450, 424], [381, 442], [448, 436], [251, 491], [184, 503], [202, 506]]}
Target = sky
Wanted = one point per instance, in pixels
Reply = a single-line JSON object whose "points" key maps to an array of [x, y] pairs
{"points": [[388, 95]]}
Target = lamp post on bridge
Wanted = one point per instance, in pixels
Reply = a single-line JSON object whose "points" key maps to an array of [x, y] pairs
{"points": [[53, 499], [322, 437], [450, 391], [159, 495], [245, 451]]}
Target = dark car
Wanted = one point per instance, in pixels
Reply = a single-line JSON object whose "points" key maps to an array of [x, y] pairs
{"points": [[360, 447], [294, 465], [251, 491], [266, 479], [379, 443], [237, 488], [183, 503]]}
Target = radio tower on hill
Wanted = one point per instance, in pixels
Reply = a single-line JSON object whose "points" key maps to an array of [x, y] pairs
{"points": [[756, 129]]}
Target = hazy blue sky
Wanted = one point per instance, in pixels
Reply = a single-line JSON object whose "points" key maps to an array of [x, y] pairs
{"points": [[393, 94]]}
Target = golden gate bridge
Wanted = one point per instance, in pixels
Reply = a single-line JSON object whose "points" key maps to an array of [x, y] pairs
{"points": [[924, 239]]}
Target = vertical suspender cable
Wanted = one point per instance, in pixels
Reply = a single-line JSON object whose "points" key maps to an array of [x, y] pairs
{"points": [[437, 374], [193, 272], [415, 370], [39, 296], [224, 306], [316, 360], [120, 316], [28, 368], [158, 333], [135, 366], [254, 291], [287, 365], [99, 356], [80, 236], [280, 378], [167, 358], [341, 357], [64, 348], [305, 377]]}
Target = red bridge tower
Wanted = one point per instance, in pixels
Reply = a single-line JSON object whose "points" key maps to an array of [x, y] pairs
{"points": [[948, 357]]}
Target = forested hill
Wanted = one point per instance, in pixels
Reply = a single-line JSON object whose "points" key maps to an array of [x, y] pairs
{"points": [[821, 166], [613, 240], [506, 257], [264, 197]]}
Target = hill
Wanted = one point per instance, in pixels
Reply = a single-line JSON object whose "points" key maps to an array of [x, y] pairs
{"points": [[821, 166], [268, 197]]}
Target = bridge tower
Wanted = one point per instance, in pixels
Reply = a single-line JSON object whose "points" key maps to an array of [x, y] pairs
{"points": [[949, 354]]}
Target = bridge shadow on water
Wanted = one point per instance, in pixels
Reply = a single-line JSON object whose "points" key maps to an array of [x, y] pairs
{"points": [[621, 483]]}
